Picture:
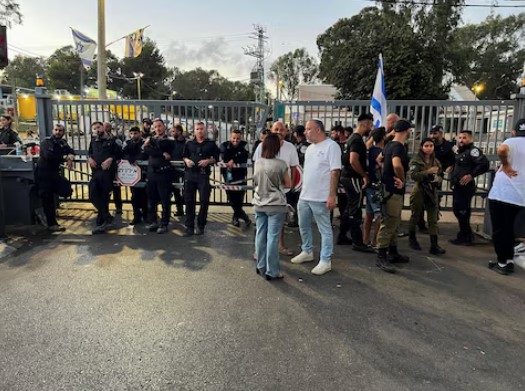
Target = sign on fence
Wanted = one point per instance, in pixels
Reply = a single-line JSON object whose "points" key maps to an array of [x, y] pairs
{"points": [[128, 174]]}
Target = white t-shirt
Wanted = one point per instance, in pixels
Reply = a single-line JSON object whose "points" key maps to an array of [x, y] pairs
{"points": [[320, 159], [511, 190], [288, 153]]}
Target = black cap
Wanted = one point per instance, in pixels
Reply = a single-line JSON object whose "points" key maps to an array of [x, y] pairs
{"points": [[402, 125], [365, 117], [520, 125], [436, 128], [466, 131], [147, 120]]}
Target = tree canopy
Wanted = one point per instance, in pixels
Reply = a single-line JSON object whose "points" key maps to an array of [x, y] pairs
{"points": [[23, 70]]}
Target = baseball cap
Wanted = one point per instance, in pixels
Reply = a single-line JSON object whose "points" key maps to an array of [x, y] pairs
{"points": [[436, 128], [402, 125], [365, 117], [520, 125], [299, 129], [147, 120]]}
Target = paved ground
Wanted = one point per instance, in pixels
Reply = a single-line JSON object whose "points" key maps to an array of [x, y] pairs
{"points": [[131, 311]]}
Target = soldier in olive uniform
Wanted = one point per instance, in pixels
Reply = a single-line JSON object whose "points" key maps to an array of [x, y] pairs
{"points": [[470, 163], [426, 171]]}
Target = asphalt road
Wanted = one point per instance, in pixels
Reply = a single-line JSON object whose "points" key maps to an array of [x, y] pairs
{"points": [[132, 310]]}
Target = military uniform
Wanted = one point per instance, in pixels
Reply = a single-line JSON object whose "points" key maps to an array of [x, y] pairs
{"points": [[159, 179], [48, 178], [239, 155], [470, 160], [424, 197], [198, 179], [132, 152], [101, 183]]}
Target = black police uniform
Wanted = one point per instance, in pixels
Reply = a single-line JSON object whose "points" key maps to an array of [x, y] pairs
{"points": [[469, 160], [48, 178], [132, 151], [101, 183], [197, 179], [239, 155], [445, 154], [159, 178], [117, 190], [178, 175]]}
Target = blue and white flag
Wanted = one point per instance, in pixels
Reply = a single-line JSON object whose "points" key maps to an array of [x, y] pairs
{"points": [[378, 103], [85, 47]]}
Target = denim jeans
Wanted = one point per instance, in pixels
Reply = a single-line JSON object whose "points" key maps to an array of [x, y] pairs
{"points": [[269, 225], [321, 213]]}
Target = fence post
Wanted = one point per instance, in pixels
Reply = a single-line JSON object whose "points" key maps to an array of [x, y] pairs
{"points": [[44, 112]]}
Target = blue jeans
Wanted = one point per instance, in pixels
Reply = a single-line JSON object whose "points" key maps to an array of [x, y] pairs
{"points": [[269, 225], [306, 210]]}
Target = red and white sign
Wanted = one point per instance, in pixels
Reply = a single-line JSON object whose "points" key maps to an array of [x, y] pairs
{"points": [[128, 174], [298, 179]]}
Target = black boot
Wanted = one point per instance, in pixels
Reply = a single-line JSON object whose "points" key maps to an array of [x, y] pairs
{"points": [[395, 257], [383, 263], [412, 241], [434, 246]]}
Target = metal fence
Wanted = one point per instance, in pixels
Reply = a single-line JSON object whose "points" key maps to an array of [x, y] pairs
{"points": [[220, 119], [491, 122]]}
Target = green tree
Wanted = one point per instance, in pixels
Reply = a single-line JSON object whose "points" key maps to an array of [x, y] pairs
{"points": [[413, 53], [292, 69], [10, 12], [200, 84], [23, 71], [490, 53], [63, 70]]}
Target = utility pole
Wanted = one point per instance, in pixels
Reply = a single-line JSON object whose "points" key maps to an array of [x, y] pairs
{"points": [[259, 52], [101, 55]]}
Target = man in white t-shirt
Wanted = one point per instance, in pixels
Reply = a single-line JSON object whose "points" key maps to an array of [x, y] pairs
{"points": [[322, 166], [288, 153], [507, 198]]}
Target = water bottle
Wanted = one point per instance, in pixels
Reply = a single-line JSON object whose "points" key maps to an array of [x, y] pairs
{"points": [[18, 149], [229, 176]]}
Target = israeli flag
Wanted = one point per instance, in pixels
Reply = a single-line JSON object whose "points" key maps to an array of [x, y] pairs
{"points": [[85, 48], [378, 104]]}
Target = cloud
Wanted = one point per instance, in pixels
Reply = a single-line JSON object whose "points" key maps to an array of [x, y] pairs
{"points": [[217, 53]]}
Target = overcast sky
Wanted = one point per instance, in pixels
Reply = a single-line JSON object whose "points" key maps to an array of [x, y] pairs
{"points": [[205, 33]]}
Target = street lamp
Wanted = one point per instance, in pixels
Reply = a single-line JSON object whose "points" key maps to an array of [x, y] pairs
{"points": [[138, 77], [477, 88]]}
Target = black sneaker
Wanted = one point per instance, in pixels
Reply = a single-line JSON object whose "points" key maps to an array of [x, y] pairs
{"points": [[99, 229], [199, 231], [364, 249], [343, 240], [385, 265], [152, 227], [187, 233], [460, 242], [235, 222], [162, 229], [495, 266], [248, 222]]}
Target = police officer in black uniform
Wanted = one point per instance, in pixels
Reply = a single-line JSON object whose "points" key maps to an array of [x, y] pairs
{"points": [[103, 154], [117, 191], [199, 154], [235, 152], [160, 175], [132, 151], [470, 163], [179, 141], [54, 150], [146, 128]]}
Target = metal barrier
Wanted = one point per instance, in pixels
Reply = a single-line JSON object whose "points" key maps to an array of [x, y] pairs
{"points": [[220, 118]]}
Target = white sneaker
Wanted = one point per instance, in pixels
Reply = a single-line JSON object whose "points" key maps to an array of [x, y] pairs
{"points": [[322, 268], [303, 257], [519, 249]]}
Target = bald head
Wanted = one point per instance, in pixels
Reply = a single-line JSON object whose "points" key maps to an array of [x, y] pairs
{"points": [[391, 120], [279, 128]]}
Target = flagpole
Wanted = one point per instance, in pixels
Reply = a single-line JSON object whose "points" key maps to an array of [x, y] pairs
{"points": [[101, 57], [125, 36]]}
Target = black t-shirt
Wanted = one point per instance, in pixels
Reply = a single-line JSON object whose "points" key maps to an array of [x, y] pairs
{"points": [[196, 152], [393, 149], [354, 144]]}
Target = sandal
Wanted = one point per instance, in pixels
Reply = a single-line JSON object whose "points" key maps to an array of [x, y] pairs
{"points": [[285, 251]]}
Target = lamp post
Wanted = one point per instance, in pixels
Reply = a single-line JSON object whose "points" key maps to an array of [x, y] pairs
{"points": [[138, 77]]}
